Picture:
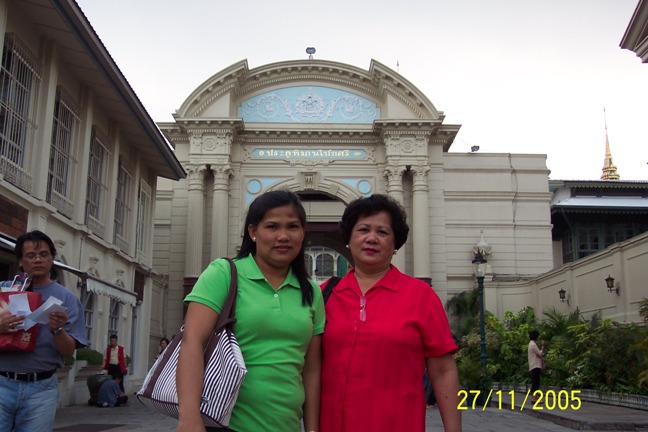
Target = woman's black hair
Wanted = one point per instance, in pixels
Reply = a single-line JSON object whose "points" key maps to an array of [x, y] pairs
{"points": [[259, 207], [370, 206], [534, 334]]}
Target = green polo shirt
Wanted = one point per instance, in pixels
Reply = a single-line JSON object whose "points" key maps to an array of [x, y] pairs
{"points": [[273, 330]]}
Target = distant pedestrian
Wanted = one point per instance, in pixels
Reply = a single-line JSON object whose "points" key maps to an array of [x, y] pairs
{"points": [[110, 395], [536, 362], [164, 342], [115, 360]]}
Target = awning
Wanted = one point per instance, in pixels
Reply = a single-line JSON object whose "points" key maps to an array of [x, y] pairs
{"points": [[101, 287], [93, 283]]}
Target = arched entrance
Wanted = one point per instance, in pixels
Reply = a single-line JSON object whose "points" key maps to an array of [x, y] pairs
{"points": [[326, 253]]}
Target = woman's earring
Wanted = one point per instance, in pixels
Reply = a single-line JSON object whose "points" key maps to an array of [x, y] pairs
{"points": [[253, 239], [347, 246], [395, 251]]}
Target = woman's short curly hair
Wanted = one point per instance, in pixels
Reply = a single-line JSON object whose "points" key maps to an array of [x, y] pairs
{"points": [[370, 206]]}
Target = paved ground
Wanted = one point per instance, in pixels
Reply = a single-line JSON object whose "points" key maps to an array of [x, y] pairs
{"points": [[590, 416]]}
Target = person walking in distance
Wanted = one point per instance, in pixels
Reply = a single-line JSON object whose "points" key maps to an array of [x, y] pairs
{"points": [[536, 362]]}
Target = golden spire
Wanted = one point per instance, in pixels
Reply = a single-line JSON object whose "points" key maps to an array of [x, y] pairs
{"points": [[609, 169]]}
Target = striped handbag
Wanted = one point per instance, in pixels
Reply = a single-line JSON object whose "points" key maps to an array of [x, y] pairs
{"points": [[224, 370]]}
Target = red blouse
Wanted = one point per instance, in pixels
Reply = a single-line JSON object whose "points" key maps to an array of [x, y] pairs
{"points": [[372, 369]]}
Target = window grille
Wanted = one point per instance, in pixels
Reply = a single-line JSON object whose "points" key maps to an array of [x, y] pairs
{"points": [[324, 265], [87, 300], [97, 171], [62, 163], [113, 318], [20, 77], [143, 218], [323, 262], [122, 208]]}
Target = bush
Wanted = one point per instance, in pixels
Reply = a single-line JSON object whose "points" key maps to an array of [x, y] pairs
{"points": [[91, 356], [593, 354]]}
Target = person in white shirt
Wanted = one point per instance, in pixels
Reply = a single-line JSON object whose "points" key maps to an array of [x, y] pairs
{"points": [[536, 363]]}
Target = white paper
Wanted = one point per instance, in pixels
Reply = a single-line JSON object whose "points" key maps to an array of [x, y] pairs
{"points": [[41, 315], [19, 305]]}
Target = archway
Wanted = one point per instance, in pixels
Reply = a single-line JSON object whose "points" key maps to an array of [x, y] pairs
{"points": [[326, 253]]}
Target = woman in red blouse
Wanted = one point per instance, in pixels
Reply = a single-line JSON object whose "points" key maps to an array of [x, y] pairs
{"points": [[382, 329]]}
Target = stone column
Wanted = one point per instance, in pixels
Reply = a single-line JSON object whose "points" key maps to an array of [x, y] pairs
{"points": [[195, 225], [394, 177], [421, 223], [220, 206]]}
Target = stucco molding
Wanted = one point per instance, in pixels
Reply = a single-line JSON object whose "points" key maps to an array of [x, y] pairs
{"points": [[242, 82]]}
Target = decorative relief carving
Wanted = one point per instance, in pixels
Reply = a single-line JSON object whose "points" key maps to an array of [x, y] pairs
{"points": [[309, 162], [218, 144], [420, 176], [394, 177], [196, 176], [92, 269], [222, 143], [309, 105], [209, 144], [119, 280], [195, 139], [59, 244], [221, 173], [407, 145], [309, 180]]}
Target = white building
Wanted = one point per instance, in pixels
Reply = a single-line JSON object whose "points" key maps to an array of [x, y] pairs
{"points": [[333, 132], [80, 159]]}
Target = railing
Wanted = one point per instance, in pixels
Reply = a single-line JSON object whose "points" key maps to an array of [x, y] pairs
{"points": [[95, 226], [608, 398], [62, 204], [15, 174], [122, 243]]}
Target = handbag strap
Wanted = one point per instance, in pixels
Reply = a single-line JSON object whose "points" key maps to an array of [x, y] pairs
{"points": [[225, 320], [227, 317], [328, 288]]}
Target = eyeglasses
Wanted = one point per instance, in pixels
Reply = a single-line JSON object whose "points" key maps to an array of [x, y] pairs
{"points": [[32, 256], [363, 310]]}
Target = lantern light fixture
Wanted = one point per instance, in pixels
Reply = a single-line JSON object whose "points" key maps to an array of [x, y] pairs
{"points": [[611, 284]]}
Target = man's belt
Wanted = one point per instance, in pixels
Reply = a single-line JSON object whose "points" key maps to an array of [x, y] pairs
{"points": [[28, 377]]}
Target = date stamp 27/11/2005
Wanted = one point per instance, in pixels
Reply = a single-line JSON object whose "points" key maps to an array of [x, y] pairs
{"points": [[550, 400]]}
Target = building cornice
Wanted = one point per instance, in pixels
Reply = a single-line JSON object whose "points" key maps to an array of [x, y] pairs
{"points": [[636, 35]]}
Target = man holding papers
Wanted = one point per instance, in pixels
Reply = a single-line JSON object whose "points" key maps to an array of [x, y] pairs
{"points": [[28, 383]]}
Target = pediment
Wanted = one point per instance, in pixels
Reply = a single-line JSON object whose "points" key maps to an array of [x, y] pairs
{"points": [[307, 91]]}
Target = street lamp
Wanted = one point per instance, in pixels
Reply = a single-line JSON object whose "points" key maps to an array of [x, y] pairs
{"points": [[479, 268]]}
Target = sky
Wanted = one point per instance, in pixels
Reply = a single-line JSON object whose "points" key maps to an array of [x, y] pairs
{"points": [[519, 76]]}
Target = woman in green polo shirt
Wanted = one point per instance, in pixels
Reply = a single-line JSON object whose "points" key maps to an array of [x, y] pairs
{"points": [[279, 322]]}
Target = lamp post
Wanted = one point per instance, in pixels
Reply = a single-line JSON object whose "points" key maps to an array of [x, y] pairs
{"points": [[479, 267]]}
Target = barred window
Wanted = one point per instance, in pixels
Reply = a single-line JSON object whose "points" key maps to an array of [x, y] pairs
{"points": [[143, 216], [62, 163], [87, 300], [97, 170], [324, 265], [113, 318], [122, 201], [20, 77]]}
